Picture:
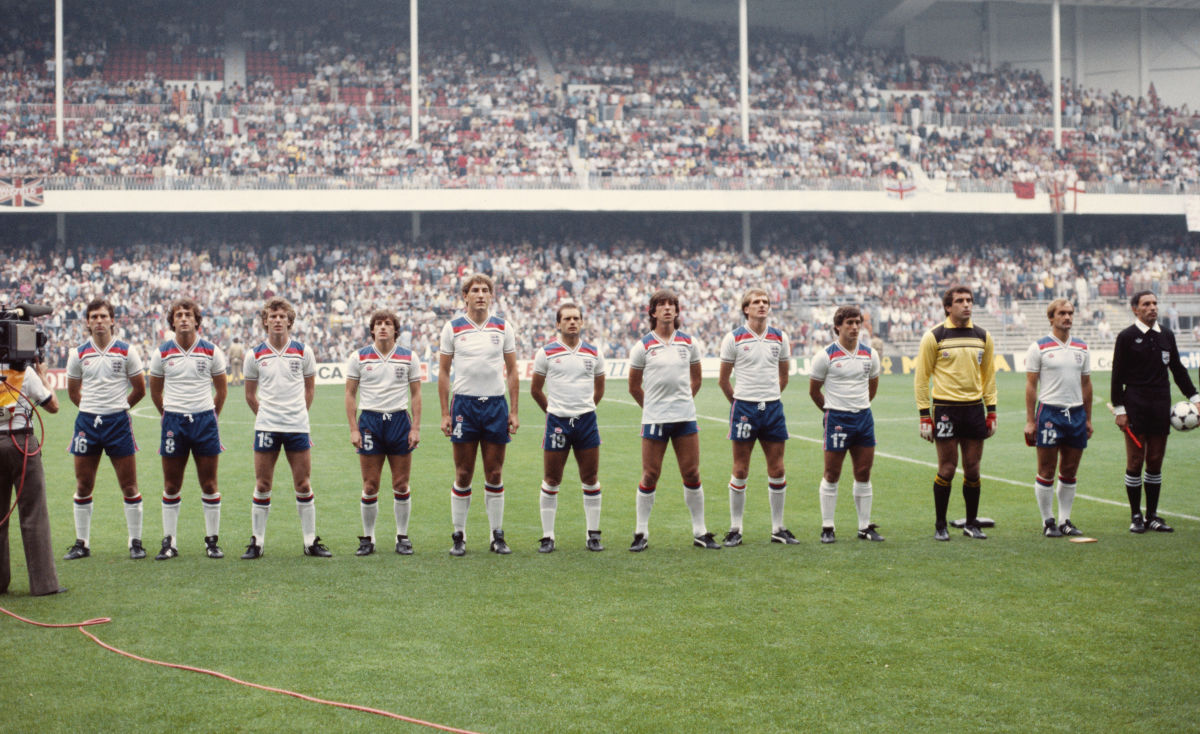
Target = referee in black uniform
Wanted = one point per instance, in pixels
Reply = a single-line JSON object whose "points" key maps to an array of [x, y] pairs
{"points": [[1141, 398]]}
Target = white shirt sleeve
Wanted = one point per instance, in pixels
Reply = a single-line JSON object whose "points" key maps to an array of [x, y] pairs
{"points": [[1033, 358], [637, 356], [876, 365], [250, 366], [728, 351], [156, 366], [133, 363], [34, 388], [447, 343], [820, 367], [510, 337], [74, 365], [540, 363], [310, 362], [220, 365]]}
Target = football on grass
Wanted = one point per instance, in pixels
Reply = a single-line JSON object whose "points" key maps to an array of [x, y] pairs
{"points": [[1184, 416]]}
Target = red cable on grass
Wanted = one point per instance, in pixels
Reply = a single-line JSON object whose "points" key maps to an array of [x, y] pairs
{"points": [[364, 709]]}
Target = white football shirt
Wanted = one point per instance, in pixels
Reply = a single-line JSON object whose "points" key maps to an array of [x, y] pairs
{"points": [[478, 351], [755, 359], [104, 374], [280, 376], [383, 379], [1060, 368], [846, 376], [570, 377], [666, 377], [188, 375]]}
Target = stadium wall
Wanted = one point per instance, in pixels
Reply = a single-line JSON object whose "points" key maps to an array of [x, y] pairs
{"points": [[586, 200], [1102, 47], [334, 373]]}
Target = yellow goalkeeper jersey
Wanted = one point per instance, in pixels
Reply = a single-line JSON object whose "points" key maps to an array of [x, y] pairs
{"points": [[960, 364]]}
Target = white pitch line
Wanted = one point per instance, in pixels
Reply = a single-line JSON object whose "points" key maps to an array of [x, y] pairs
{"points": [[932, 465]]}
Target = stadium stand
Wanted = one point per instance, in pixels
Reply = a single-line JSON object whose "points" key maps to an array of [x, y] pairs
{"points": [[582, 94], [337, 270]]}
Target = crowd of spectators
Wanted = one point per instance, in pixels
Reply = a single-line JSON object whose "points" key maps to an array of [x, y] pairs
{"points": [[626, 100], [335, 283]]}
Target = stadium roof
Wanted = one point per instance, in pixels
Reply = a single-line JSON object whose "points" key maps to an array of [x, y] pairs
{"points": [[903, 12]]}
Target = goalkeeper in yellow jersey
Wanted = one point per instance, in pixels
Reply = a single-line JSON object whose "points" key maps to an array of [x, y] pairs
{"points": [[955, 386]]}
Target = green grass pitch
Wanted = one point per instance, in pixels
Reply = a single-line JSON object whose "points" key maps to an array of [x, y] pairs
{"points": [[1010, 634]]}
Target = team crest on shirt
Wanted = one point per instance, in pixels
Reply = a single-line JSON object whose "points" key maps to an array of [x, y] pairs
{"points": [[944, 418], [399, 372], [295, 367], [945, 354], [1166, 357], [683, 352], [199, 367], [557, 429], [587, 365], [115, 364], [1049, 424], [170, 434], [495, 338], [1078, 359], [458, 419], [744, 419], [774, 351]]}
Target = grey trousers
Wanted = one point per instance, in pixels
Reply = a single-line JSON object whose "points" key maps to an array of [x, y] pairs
{"points": [[32, 512]]}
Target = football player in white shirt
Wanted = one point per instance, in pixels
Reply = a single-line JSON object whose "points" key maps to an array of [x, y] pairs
{"points": [[1058, 414], [848, 371], [483, 351], [568, 382], [384, 380], [99, 372], [760, 355], [188, 385], [280, 378], [664, 377]]}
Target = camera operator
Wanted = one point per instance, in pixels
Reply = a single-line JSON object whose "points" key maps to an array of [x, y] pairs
{"points": [[21, 468]]}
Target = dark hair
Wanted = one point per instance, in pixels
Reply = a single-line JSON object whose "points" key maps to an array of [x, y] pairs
{"points": [[383, 314], [564, 307], [96, 304], [663, 295], [843, 313], [1137, 298], [187, 304], [948, 297]]}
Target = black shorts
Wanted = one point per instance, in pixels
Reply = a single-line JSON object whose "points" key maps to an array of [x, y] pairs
{"points": [[961, 420], [1149, 414]]}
